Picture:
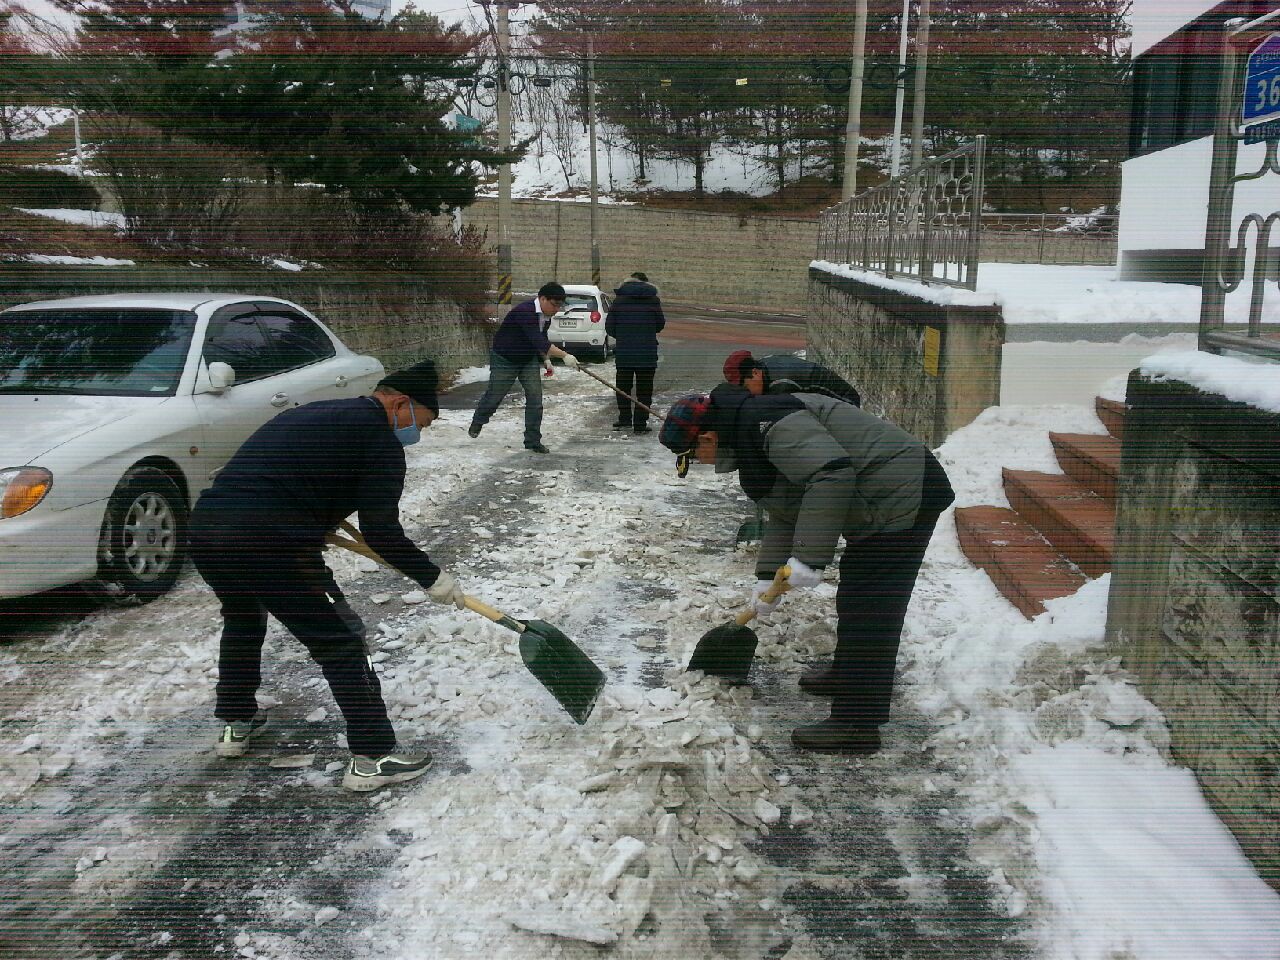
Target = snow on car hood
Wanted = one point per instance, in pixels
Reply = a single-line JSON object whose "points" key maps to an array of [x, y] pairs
{"points": [[32, 425]]}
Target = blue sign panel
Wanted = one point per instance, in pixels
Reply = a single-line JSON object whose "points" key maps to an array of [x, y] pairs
{"points": [[1262, 82]]}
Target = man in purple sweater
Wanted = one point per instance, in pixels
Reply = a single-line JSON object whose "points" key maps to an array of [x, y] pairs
{"points": [[519, 352]]}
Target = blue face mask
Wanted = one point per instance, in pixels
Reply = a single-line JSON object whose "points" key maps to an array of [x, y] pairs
{"points": [[411, 434]]}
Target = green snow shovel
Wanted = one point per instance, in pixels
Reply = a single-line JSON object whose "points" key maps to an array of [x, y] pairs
{"points": [[752, 529], [555, 660], [727, 651]]}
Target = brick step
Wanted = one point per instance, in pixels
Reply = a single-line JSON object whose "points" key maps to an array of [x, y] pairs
{"points": [[1078, 522], [1091, 458], [1023, 565], [1111, 413]]}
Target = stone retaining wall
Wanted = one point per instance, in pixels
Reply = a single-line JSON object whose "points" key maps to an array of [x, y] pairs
{"points": [[693, 257], [1195, 593], [930, 369]]}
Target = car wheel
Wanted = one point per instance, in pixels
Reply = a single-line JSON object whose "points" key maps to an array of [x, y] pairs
{"points": [[144, 537]]}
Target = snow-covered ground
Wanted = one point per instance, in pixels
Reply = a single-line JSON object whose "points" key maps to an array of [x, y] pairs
{"points": [[83, 218], [1091, 834]]}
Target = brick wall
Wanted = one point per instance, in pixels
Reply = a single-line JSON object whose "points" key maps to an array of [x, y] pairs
{"points": [[393, 318], [1195, 593], [930, 369]]}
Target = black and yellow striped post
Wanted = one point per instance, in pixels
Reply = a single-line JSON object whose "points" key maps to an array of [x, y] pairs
{"points": [[504, 285]]}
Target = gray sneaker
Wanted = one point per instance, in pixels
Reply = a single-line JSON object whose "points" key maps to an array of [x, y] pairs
{"points": [[237, 734], [370, 773]]}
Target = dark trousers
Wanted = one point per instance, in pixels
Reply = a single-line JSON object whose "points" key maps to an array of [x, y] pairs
{"points": [[877, 577], [503, 374], [642, 379], [252, 580]]}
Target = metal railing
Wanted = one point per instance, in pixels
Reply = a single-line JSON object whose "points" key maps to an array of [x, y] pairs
{"points": [[923, 225], [1228, 264], [1057, 238]]}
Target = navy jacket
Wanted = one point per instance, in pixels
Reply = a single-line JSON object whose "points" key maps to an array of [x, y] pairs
{"points": [[634, 321], [521, 338], [306, 470], [787, 373]]}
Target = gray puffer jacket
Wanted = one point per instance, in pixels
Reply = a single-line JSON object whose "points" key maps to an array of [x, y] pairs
{"points": [[841, 471]]}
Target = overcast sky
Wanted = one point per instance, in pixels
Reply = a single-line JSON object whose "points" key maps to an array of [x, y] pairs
{"points": [[1152, 20]]}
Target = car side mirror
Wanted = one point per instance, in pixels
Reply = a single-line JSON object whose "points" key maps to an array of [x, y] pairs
{"points": [[221, 376]]}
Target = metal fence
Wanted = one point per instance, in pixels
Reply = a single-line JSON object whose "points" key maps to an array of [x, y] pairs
{"points": [[1230, 258], [1057, 238], [924, 225]]}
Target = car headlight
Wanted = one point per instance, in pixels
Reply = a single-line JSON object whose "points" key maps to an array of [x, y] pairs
{"points": [[21, 488]]}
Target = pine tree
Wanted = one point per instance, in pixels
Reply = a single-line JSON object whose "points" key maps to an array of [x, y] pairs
{"points": [[320, 93]]}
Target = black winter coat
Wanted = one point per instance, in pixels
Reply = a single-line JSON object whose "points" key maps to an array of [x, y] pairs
{"points": [[635, 321]]}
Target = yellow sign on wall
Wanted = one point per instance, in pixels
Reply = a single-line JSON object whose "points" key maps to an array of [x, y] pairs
{"points": [[932, 350]]}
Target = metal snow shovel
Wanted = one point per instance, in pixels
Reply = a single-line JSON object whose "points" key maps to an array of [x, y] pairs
{"points": [[555, 660], [727, 651]]}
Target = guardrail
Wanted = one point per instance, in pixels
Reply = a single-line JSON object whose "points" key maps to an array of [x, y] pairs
{"points": [[924, 225]]}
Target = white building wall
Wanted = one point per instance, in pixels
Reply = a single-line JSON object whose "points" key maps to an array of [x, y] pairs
{"points": [[1164, 196]]}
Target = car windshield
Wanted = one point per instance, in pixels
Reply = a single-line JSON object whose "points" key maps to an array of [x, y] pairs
{"points": [[580, 301], [115, 352]]}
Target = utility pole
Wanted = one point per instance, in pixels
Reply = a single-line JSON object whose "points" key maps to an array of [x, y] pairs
{"points": [[595, 191], [504, 146], [75, 114], [922, 69], [853, 130], [901, 95]]}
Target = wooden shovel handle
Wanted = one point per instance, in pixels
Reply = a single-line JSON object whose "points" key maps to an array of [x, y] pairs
{"points": [[494, 614], [614, 387], [780, 586], [355, 543]]}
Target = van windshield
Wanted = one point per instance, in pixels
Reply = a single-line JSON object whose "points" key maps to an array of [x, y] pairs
{"points": [[111, 352]]}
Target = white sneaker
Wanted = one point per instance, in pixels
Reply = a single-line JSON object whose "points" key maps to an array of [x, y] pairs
{"points": [[370, 773], [237, 734]]}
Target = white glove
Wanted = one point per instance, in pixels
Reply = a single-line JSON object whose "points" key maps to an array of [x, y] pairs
{"points": [[446, 590], [802, 575], [763, 608], [571, 361]]}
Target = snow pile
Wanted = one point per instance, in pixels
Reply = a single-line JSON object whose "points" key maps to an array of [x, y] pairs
{"points": [[930, 293], [73, 261], [1087, 826], [1046, 294], [83, 218], [1255, 382]]}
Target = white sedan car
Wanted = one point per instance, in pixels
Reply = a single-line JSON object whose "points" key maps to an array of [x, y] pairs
{"points": [[579, 326], [117, 411]]}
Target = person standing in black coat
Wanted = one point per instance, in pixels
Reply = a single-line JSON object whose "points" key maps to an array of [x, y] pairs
{"points": [[634, 322]]}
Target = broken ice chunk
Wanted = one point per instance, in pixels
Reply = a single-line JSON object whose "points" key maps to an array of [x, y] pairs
{"points": [[293, 761], [553, 923], [617, 858], [599, 782], [414, 596], [800, 814], [766, 811]]}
